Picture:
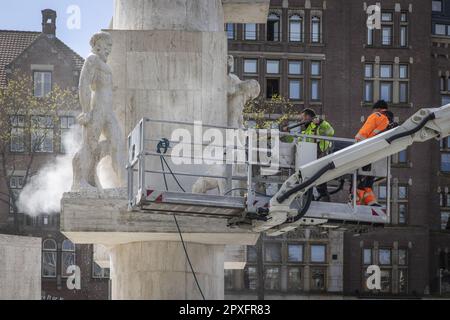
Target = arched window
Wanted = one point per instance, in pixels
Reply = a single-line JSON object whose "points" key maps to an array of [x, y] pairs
{"points": [[315, 30], [295, 28], [273, 27], [67, 257], [49, 258]]}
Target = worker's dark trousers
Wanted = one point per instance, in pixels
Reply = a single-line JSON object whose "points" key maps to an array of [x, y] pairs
{"points": [[323, 188]]}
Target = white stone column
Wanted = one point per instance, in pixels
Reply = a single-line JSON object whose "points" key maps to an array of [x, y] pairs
{"points": [[159, 270]]}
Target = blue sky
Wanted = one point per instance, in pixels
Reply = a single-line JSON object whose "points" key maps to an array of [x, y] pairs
{"points": [[26, 15]]}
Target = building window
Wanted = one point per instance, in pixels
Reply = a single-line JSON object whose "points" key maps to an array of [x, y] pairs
{"points": [[386, 281], [315, 30], [66, 124], [252, 254], [384, 257], [318, 253], [272, 88], [318, 279], [67, 257], [386, 71], [16, 184], [445, 162], [436, 5], [273, 27], [386, 34], [402, 257], [315, 90], [42, 134], [17, 133], [49, 255], [440, 29], [295, 253], [98, 272], [273, 66], [368, 91], [315, 68], [272, 252], [230, 30], [295, 28], [42, 83], [367, 257], [250, 278], [295, 67], [250, 66], [250, 31], [368, 70], [445, 222], [403, 94], [272, 278], [386, 17], [403, 36], [403, 71], [403, 281], [295, 279], [402, 213], [295, 89], [386, 91], [386, 28], [370, 37]]}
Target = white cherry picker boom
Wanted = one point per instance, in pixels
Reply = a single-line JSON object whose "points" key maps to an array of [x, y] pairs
{"points": [[293, 204]]}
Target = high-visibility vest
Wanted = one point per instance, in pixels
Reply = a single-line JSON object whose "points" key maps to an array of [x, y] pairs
{"points": [[365, 197], [323, 129], [375, 124]]}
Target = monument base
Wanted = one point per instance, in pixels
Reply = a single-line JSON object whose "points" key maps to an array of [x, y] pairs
{"points": [[159, 270], [147, 257]]}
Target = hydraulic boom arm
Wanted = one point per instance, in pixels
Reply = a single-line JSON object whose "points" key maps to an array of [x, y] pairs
{"points": [[426, 124]]}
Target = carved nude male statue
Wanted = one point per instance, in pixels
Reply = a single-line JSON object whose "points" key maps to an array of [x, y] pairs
{"points": [[98, 119], [238, 93]]}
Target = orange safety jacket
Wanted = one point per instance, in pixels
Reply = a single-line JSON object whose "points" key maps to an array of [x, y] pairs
{"points": [[375, 124]]}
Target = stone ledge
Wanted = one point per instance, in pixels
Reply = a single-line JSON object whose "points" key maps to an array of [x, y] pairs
{"points": [[101, 217]]}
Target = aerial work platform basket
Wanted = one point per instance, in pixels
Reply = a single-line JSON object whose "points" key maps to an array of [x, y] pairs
{"points": [[157, 183]]}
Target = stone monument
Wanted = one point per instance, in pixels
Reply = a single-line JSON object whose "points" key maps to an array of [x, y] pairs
{"points": [[168, 62]]}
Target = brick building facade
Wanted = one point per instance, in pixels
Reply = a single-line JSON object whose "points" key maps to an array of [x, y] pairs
{"points": [[321, 55], [45, 58]]}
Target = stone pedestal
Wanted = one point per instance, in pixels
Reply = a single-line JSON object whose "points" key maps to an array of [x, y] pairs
{"points": [[144, 250], [160, 270]]}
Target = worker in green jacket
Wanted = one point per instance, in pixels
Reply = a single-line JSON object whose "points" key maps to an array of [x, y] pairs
{"points": [[315, 126]]}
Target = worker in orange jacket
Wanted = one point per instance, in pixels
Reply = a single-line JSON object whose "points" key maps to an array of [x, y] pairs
{"points": [[377, 123]]}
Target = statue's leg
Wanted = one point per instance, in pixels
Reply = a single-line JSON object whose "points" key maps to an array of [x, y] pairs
{"points": [[117, 149]]}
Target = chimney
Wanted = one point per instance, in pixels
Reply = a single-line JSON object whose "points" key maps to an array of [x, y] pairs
{"points": [[49, 22]]}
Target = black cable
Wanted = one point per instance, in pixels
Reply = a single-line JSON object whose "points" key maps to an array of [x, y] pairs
{"points": [[165, 146], [302, 211], [422, 124], [173, 175], [306, 184], [187, 257], [164, 174]]}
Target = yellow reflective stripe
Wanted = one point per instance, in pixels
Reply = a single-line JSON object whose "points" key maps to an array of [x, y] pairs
{"points": [[377, 131]]}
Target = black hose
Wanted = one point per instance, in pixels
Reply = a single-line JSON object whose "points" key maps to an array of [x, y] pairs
{"points": [[306, 184], [422, 124], [304, 209]]}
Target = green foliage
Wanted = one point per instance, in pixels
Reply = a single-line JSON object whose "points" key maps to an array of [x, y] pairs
{"points": [[267, 113]]}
